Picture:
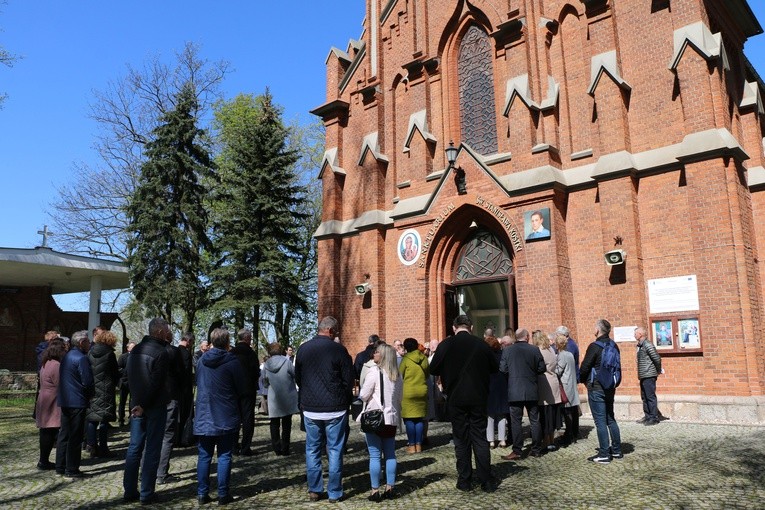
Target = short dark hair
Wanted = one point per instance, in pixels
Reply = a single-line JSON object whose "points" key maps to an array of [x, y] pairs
{"points": [[188, 337], [244, 335], [463, 320], [220, 338], [157, 326], [374, 339], [56, 350], [410, 344]]}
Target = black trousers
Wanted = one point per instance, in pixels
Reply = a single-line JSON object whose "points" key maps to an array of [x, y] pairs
{"points": [[69, 447], [469, 436], [186, 405], [648, 395], [124, 399], [571, 418], [516, 417], [247, 411], [47, 442], [281, 441]]}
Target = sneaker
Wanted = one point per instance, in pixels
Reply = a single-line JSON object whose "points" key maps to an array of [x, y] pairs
{"points": [[600, 459]]}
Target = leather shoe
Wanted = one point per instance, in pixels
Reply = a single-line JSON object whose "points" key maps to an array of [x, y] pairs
{"points": [[511, 456], [375, 497], [225, 500], [489, 486], [315, 496], [169, 479], [247, 453], [203, 500]]}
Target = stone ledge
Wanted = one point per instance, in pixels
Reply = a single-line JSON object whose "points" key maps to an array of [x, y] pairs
{"points": [[693, 409]]}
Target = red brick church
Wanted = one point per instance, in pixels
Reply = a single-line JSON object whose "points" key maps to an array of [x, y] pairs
{"points": [[607, 162]]}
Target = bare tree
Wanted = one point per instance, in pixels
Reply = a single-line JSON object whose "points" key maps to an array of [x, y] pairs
{"points": [[89, 211], [7, 59]]}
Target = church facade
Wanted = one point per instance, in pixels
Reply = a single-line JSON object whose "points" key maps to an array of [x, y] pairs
{"points": [[534, 163]]}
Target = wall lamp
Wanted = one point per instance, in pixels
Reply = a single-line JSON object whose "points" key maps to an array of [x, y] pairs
{"points": [[459, 173]]}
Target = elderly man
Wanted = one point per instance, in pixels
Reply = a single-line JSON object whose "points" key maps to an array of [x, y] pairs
{"points": [[75, 388], [220, 385], [248, 358], [324, 373], [147, 369], [523, 363], [648, 370]]}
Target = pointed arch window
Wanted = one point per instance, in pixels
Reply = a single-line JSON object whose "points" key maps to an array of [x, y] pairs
{"points": [[478, 117], [484, 256]]}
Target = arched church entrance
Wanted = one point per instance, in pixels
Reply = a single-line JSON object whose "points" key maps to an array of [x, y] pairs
{"points": [[483, 285]]}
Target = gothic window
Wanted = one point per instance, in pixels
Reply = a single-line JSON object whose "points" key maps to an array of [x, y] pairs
{"points": [[483, 257], [478, 122]]}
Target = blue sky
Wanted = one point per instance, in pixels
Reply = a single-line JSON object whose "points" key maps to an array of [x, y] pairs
{"points": [[71, 48]]}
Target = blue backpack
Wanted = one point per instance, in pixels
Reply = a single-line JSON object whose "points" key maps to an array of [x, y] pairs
{"points": [[609, 373]]}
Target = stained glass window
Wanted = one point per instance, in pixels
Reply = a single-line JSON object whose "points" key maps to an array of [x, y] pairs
{"points": [[484, 256], [478, 117]]}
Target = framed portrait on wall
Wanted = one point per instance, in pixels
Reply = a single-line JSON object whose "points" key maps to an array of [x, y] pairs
{"points": [[690, 337], [409, 246], [663, 337], [536, 224]]}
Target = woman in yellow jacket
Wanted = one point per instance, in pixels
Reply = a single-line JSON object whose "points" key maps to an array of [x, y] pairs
{"points": [[414, 407]]}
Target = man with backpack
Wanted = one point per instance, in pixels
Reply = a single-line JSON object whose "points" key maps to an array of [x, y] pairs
{"points": [[601, 371]]}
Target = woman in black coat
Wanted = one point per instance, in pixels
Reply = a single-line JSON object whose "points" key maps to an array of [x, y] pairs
{"points": [[103, 405], [497, 408]]}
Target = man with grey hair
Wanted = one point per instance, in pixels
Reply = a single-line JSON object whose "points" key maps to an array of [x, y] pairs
{"points": [[147, 369], [523, 363], [324, 373], [600, 399], [75, 388], [571, 346], [248, 358], [648, 370]]}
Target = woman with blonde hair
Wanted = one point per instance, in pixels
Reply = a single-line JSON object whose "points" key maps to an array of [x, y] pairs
{"points": [[549, 391], [103, 405], [383, 389]]}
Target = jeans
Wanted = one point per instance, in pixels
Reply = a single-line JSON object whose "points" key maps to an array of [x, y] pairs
{"points": [[415, 428], [501, 422], [168, 440], [469, 436], [97, 433], [377, 447], [69, 447], [602, 409], [648, 395], [516, 418], [326, 435], [146, 434], [207, 446]]}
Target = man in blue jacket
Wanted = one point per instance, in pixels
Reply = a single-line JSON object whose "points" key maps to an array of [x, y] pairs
{"points": [[75, 389], [220, 384], [324, 374], [147, 369]]}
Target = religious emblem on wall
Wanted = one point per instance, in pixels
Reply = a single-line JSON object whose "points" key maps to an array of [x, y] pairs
{"points": [[409, 246]]}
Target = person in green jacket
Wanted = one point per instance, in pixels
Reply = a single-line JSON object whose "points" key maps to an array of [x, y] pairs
{"points": [[414, 407]]}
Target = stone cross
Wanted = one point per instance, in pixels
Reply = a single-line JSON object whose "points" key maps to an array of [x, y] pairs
{"points": [[45, 233]]}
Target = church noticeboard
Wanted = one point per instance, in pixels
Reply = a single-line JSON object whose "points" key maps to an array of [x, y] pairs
{"points": [[675, 294]]}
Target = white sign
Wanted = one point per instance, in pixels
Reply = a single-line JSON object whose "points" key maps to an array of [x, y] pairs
{"points": [[675, 294], [624, 333]]}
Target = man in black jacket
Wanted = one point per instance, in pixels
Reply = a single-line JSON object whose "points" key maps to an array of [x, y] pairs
{"points": [[248, 358], [175, 381], [124, 387], [523, 363], [365, 356], [147, 369], [324, 373], [464, 363], [186, 404]]}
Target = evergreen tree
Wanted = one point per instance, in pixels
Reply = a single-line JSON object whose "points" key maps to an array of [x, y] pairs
{"points": [[167, 231], [257, 212]]}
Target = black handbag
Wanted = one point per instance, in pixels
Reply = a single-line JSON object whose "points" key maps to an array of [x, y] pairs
{"points": [[373, 421]]}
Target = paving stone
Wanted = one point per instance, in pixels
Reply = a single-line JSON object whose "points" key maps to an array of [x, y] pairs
{"points": [[668, 466]]}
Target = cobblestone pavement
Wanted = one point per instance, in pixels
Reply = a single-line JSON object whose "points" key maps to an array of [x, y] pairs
{"points": [[669, 466]]}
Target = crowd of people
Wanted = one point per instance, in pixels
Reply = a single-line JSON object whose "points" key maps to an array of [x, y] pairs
{"points": [[481, 385]]}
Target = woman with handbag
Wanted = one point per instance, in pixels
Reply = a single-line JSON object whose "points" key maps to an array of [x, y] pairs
{"points": [[382, 391]]}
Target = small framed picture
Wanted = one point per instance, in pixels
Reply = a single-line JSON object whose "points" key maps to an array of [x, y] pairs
{"points": [[663, 336], [536, 224], [688, 330]]}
